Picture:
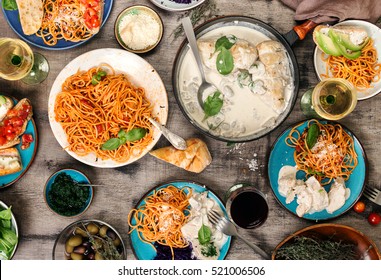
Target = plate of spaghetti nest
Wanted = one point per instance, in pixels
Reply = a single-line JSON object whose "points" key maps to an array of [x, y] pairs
{"points": [[100, 105], [170, 223], [317, 169], [351, 50], [58, 24]]}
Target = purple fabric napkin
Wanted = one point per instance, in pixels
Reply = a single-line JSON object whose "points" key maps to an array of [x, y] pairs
{"points": [[335, 10]]}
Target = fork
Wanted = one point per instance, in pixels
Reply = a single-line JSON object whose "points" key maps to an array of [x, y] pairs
{"points": [[227, 227], [372, 194]]}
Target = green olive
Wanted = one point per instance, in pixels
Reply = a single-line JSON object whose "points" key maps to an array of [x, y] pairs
{"points": [[103, 231], [92, 228], [80, 231], [68, 249], [75, 256], [98, 256], [116, 242], [75, 240]]}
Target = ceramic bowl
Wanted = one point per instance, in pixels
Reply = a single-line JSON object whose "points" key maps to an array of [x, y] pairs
{"points": [[365, 248], [61, 250], [76, 176], [132, 12], [3, 206]]}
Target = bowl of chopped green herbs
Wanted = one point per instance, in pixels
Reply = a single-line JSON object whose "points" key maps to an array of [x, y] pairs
{"points": [[68, 193], [327, 242], [9, 235]]}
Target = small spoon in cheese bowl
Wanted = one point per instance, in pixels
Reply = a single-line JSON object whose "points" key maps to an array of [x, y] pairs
{"points": [[205, 88]]}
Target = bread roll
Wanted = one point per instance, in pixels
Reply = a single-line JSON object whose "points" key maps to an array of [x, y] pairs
{"points": [[194, 159]]}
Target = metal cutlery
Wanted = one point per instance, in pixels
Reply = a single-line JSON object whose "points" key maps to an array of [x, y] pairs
{"points": [[372, 194], [227, 227]]}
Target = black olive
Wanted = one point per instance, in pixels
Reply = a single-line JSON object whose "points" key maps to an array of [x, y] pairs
{"points": [[120, 249], [110, 233], [90, 256], [80, 249]]}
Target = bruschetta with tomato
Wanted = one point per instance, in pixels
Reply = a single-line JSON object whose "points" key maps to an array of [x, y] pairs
{"points": [[14, 123], [92, 14]]}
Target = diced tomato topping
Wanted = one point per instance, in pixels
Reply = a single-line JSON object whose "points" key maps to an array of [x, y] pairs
{"points": [[298, 149], [99, 128], [3, 140], [26, 139], [94, 21]]}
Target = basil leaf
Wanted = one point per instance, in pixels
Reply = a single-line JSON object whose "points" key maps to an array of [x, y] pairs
{"points": [[8, 237], [313, 172], [135, 134], [225, 62], [213, 105], [225, 42], [204, 235], [9, 5], [95, 80], [111, 144], [312, 135], [122, 133], [101, 73]]}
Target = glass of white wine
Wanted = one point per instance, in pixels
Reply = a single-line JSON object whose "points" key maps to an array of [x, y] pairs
{"points": [[331, 99], [19, 62]]}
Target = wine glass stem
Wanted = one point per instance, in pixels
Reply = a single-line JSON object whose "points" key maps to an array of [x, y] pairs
{"points": [[39, 71]]}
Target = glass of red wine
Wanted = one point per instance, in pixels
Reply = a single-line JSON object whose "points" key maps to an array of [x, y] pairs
{"points": [[246, 206]]}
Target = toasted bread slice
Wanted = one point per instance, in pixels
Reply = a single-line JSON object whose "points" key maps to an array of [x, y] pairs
{"points": [[10, 161], [31, 14], [194, 159], [19, 106]]}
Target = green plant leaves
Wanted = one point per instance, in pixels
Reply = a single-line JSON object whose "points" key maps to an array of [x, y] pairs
{"points": [[213, 104], [98, 77], [9, 5], [225, 60], [312, 135], [204, 235], [132, 135]]}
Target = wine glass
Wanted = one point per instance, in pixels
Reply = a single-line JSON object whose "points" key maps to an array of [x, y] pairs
{"points": [[331, 99], [19, 62]]}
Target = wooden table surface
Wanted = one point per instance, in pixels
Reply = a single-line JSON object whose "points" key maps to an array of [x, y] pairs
{"points": [[39, 227]]}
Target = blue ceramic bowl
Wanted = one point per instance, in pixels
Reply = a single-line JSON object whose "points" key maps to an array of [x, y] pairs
{"points": [[78, 177]]}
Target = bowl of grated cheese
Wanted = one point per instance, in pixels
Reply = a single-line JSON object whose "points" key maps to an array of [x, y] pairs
{"points": [[139, 29]]}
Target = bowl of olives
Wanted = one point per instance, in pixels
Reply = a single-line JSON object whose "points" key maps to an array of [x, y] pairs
{"points": [[89, 240]]}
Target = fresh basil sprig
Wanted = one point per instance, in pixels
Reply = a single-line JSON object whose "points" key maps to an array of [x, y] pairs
{"points": [[132, 135], [312, 135], [98, 77], [213, 104], [225, 61], [9, 5]]}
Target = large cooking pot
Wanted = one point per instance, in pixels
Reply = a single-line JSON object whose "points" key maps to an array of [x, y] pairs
{"points": [[262, 28]]}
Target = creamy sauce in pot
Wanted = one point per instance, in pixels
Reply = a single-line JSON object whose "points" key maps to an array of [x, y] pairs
{"points": [[244, 112]]}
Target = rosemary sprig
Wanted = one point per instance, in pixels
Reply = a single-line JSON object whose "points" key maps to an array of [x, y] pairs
{"points": [[307, 248], [202, 12]]}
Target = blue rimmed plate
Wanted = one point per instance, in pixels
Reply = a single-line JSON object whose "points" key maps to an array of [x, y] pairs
{"points": [[13, 20], [27, 156], [171, 5], [144, 251], [281, 154]]}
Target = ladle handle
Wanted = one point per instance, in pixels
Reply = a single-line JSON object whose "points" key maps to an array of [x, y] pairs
{"points": [[189, 32]]}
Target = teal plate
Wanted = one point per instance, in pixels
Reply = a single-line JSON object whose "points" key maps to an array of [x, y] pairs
{"points": [[281, 154], [27, 156], [78, 177], [144, 251]]}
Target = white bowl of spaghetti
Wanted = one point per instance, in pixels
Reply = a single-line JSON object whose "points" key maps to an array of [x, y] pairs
{"points": [[353, 70], [98, 95]]}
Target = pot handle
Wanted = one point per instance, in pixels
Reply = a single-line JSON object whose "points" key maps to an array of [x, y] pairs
{"points": [[299, 31]]}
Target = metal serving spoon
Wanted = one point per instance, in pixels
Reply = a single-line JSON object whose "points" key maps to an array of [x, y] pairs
{"points": [[177, 142], [205, 85]]}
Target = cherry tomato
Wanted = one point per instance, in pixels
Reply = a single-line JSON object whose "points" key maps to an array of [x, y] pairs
{"points": [[374, 218], [359, 207]]}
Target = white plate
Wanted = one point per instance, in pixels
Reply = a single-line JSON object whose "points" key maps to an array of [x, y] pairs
{"points": [[375, 33], [171, 5], [139, 72]]}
